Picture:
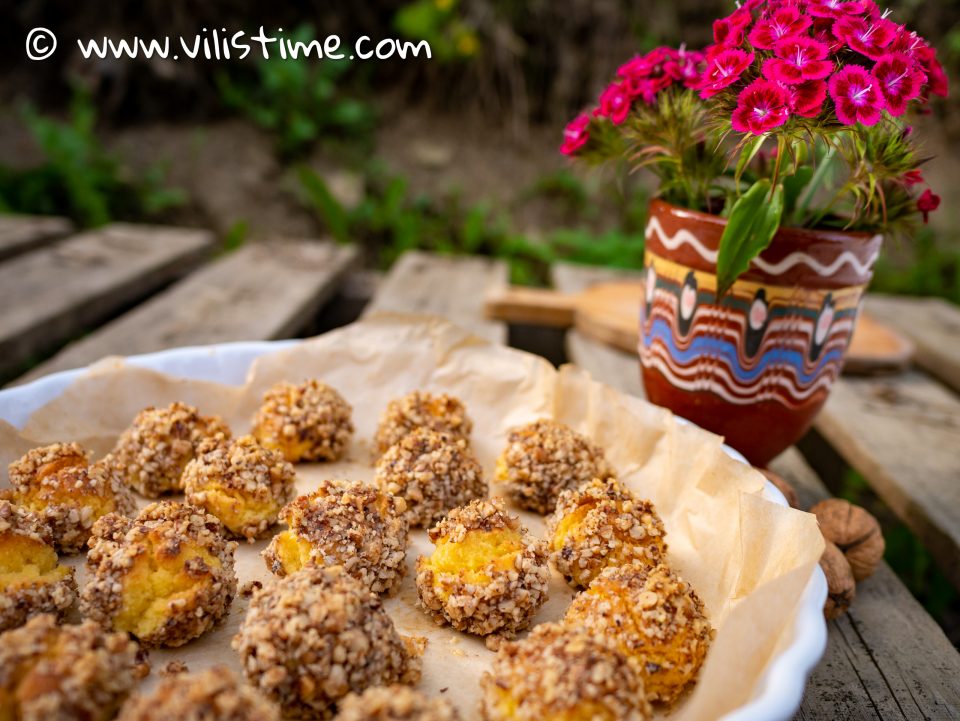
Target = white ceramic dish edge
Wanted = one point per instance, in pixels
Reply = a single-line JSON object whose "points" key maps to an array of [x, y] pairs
{"points": [[781, 690]]}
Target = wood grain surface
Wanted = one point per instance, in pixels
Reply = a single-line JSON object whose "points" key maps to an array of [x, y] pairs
{"points": [[263, 291], [53, 294]]}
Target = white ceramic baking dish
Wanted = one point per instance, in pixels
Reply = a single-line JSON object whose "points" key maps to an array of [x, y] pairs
{"points": [[781, 689]]}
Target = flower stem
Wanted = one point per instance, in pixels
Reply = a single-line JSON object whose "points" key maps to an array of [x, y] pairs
{"points": [[815, 182]]}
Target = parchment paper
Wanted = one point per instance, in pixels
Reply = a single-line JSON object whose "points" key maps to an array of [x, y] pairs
{"points": [[749, 559]]}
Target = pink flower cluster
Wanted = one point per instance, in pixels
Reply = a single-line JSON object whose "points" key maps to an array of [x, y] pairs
{"points": [[641, 78], [788, 56], [842, 59]]}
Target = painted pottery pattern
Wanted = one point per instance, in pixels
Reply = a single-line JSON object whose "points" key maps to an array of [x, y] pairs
{"points": [[778, 336]]}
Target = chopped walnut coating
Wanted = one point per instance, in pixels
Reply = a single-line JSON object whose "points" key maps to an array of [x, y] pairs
{"points": [[560, 673], [305, 423], [395, 703], [419, 409], [345, 523], [57, 483], [544, 458], [240, 482], [654, 617], [166, 576], [53, 673], [32, 581], [486, 575], [601, 524], [433, 472], [215, 694], [152, 453], [311, 638]]}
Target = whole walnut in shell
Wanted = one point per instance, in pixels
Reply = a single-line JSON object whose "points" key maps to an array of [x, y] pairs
{"points": [[854, 531], [841, 588]]}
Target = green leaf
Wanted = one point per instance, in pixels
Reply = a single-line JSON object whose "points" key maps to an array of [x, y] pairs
{"points": [[753, 222], [793, 185], [330, 211], [747, 153]]}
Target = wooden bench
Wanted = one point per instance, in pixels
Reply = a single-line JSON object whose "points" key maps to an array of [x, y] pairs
{"points": [[260, 292], [49, 294], [20, 233], [886, 659]]}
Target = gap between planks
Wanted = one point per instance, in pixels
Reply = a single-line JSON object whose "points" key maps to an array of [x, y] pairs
{"points": [[263, 291]]}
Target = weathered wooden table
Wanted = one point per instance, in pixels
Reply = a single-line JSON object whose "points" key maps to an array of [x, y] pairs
{"points": [[69, 300]]}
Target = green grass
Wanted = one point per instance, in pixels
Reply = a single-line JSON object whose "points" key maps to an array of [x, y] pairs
{"points": [[299, 101], [78, 178], [392, 219]]}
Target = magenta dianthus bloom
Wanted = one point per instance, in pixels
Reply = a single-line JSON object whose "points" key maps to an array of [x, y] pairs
{"points": [[784, 22], [729, 31], [856, 96], [615, 103], [724, 68], [927, 203], [575, 135], [797, 59], [838, 8], [806, 99], [869, 37], [761, 107], [899, 80]]}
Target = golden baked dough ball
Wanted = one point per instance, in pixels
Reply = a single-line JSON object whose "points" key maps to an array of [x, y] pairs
{"points": [[152, 453], [305, 423], [31, 579], [544, 458], [52, 673], [240, 482], [561, 674], [486, 574], [346, 523], [436, 412], [601, 524], [433, 472], [166, 576], [654, 617], [311, 638], [57, 483], [395, 703], [215, 694]]}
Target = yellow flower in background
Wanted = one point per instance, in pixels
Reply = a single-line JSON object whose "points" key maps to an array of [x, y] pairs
{"points": [[467, 44], [444, 4]]}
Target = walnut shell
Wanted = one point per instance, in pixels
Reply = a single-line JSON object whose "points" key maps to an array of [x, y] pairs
{"points": [[841, 587], [783, 485], [855, 532]]}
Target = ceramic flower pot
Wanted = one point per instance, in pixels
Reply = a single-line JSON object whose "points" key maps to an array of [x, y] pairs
{"points": [[756, 365]]}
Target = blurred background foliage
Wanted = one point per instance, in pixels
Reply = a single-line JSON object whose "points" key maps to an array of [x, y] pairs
{"points": [[456, 154]]}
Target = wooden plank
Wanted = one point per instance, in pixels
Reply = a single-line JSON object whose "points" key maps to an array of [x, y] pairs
{"points": [[451, 287], [50, 295], [903, 435], [263, 291], [20, 233], [933, 324], [887, 658]]}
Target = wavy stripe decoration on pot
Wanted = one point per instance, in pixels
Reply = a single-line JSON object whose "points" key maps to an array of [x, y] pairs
{"points": [[757, 364]]}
